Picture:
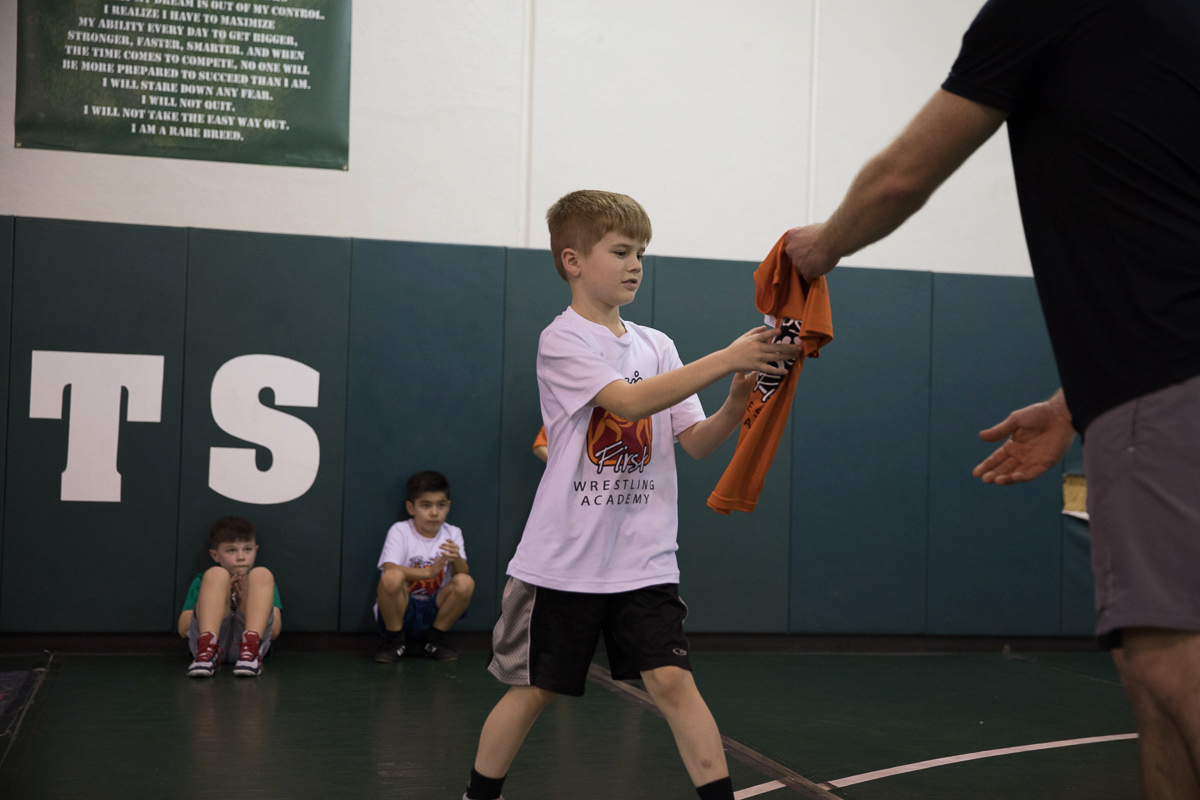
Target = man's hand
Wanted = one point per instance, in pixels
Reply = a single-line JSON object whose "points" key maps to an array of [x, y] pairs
{"points": [[1038, 436], [807, 256], [450, 550]]}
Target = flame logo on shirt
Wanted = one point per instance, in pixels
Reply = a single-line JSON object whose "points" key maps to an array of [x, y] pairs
{"points": [[429, 586], [615, 442]]}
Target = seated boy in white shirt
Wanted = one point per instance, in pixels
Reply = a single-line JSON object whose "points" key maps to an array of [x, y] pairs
{"points": [[424, 585]]}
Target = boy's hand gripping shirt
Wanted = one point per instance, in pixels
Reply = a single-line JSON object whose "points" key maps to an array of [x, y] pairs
{"points": [[405, 547], [605, 516], [803, 316]]}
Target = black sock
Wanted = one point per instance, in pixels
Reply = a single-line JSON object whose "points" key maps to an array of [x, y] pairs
{"points": [[435, 636], [395, 638], [717, 790], [484, 788]]}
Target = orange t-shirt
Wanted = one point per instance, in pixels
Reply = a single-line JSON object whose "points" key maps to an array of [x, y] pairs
{"points": [[803, 316], [541, 440]]}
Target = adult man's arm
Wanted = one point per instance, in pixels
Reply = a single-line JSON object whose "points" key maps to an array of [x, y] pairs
{"points": [[893, 185], [1038, 436]]}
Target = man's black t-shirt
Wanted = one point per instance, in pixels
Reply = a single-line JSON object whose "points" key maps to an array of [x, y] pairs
{"points": [[1103, 98]]}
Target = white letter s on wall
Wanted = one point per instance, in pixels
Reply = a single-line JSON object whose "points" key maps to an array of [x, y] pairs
{"points": [[295, 448]]}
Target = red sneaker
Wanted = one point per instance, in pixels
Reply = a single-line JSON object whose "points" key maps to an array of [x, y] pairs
{"points": [[249, 663], [208, 655]]}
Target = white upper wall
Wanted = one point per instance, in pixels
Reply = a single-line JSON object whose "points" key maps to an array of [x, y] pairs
{"points": [[877, 64], [468, 118]]}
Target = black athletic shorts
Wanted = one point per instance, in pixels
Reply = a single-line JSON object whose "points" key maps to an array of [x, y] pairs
{"points": [[547, 638]]}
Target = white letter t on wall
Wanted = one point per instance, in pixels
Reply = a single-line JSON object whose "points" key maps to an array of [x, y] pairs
{"points": [[96, 380]]}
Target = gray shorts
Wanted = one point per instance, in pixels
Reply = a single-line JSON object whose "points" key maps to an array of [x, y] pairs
{"points": [[230, 635], [1142, 461]]}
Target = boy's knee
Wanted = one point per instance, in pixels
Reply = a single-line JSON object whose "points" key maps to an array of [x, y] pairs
{"points": [[668, 683], [464, 584], [261, 574], [392, 583], [216, 575]]}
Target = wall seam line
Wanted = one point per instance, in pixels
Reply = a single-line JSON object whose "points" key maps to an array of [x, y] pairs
{"points": [[528, 21], [499, 572], [810, 212], [929, 450], [187, 273], [12, 313], [345, 436]]}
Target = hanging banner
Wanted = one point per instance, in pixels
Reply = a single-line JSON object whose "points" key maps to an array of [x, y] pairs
{"points": [[259, 82]]}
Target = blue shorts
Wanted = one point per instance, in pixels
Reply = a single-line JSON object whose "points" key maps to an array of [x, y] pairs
{"points": [[418, 619]]}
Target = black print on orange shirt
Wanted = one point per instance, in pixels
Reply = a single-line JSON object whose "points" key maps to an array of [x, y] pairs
{"points": [[789, 333]]}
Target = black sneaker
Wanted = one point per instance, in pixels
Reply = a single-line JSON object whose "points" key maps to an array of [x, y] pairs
{"points": [[439, 651], [391, 651]]}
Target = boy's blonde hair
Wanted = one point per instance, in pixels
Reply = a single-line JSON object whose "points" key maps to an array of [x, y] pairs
{"points": [[580, 219]]}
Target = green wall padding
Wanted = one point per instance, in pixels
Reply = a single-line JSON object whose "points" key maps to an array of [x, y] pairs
{"points": [[995, 553], [870, 521], [425, 364], [95, 288], [534, 295], [6, 256], [285, 296], [734, 569], [1078, 586], [860, 425]]}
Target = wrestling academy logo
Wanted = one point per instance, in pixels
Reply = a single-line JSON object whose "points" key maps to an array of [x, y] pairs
{"points": [[617, 443]]}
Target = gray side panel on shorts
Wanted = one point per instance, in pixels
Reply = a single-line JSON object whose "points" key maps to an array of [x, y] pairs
{"points": [[510, 656]]}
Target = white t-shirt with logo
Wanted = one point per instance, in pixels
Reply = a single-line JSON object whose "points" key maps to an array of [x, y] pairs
{"points": [[406, 547], [606, 517]]}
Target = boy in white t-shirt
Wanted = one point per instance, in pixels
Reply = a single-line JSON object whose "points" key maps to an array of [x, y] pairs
{"points": [[424, 585], [597, 556]]}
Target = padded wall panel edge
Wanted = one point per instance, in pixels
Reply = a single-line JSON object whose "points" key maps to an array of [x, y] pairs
{"points": [[424, 393], [995, 553], [95, 290], [734, 569], [253, 295], [859, 486], [6, 276]]}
